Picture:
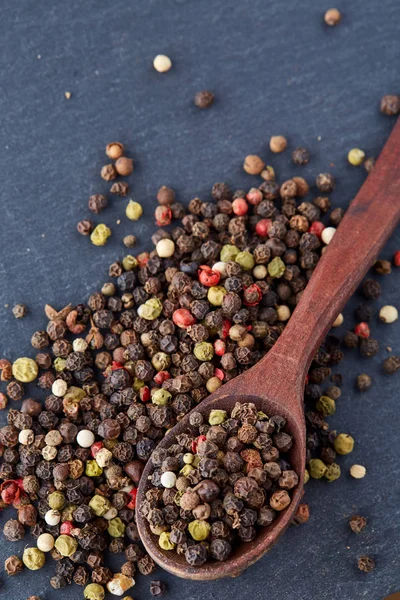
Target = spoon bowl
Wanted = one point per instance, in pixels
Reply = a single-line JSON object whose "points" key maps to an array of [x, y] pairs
{"points": [[276, 383], [246, 553]]}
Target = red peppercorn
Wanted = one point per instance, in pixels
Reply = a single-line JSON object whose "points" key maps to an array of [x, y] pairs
{"points": [[240, 207], [11, 490], [254, 196], [196, 442], [144, 393], [116, 365], [262, 227], [132, 503], [226, 325], [94, 448], [163, 215], [396, 258], [183, 318], [317, 228], [143, 259], [66, 527], [219, 373], [219, 347], [208, 277], [161, 377], [362, 330], [252, 295]]}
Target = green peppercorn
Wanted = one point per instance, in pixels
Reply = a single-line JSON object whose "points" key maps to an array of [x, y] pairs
{"points": [[66, 545], [161, 361], [306, 476], [67, 514], [56, 500], [94, 591], [137, 383], [216, 295], [151, 309], [59, 364], [276, 268], [203, 351], [133, 210], [100, 235], [161, 397], [164, 541], [25, 369], [326, 406], [246, 260], [217, 417], [332, 472], [229, 253], [199, 530], [92, 469], [33, 558], [129, 262], [343, 443], [99, 505], [317, 468], [116, 528], [186, 470]]}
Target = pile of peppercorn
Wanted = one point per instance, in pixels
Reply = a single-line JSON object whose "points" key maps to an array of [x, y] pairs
{"points": [[220, 481], [174, 324]]}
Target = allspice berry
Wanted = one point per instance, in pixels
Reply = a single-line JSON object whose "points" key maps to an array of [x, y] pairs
{"points": [[332, 17], [253, 164], [277, 143], [165, 195], [115, 150], [124, 166]]}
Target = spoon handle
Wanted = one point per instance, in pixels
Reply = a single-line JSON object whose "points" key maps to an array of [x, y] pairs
{"points": [[367, 224]]}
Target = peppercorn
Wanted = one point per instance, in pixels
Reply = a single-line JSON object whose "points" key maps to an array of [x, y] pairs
{"points": [[133, 210], [343, 443], [253, 164], [204, 99], [85, 227], [277, 143], [391, 364], [325, 182], [108, 172], [97, 203], [300, 156], [120, 188], [358, 471], [115, 150], [157, 588], [357, 523], [162, 63], [366, 564], [383, 267], [363, 382], [129, 241], [124, 166], [19, 311], [100, 235], [33, 558], [13, 565], [390, 105], [332, 17]]}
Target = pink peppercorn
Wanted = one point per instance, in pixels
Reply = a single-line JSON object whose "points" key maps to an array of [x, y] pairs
{"points": [[143, 259], [262, 227], [362, 330], [183, 318], [226, 325], [144, 393], [208, 277], [66, 527], [161, 376], [197, 441], [163, 215], [94, 448], [240, 207], [132, 503], [254, 196], [396, 258], [219, 347], [317, 228], [219, 373]]}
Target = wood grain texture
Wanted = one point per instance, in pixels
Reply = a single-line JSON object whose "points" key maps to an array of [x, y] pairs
{"points": [[276, 383]]}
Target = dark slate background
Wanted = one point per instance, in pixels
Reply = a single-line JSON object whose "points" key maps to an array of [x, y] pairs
{"points": [[275, 69]]}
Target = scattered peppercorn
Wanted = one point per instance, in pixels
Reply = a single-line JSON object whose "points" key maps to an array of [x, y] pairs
{"points": [[204, 99], [366, 564], [277, 143], [332, 17], [19, 311], [357, 523], [363, 382], [390, 105], [300, 156]]}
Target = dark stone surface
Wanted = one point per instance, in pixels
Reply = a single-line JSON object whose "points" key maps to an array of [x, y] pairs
{"points": [[275, 69]]}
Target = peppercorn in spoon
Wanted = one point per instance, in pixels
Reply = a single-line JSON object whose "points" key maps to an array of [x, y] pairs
{"points": [[276, 383]]}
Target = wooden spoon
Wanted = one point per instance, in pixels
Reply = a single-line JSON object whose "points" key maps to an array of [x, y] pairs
{"points": [[276, 383]]}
